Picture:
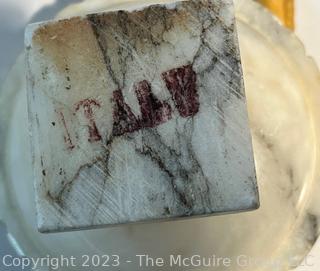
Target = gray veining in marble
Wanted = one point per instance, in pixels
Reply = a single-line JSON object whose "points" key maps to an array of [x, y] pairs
{"points": [[139, 116]]}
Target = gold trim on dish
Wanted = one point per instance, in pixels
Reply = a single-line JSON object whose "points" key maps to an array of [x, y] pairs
{"points": [[284, 9]]}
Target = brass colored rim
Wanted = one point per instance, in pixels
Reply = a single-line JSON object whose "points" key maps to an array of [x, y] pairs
{"points": [[284, 9]]}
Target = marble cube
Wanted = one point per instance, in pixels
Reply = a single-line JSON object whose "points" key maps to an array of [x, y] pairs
{"points": [[139, 116]]}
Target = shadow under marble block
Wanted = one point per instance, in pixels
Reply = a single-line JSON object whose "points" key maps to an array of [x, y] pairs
{"points": [[139, 116]]}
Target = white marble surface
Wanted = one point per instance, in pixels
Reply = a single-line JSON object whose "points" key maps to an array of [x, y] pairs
{"points": [[139, 116], [273, 233], [307, 24]]}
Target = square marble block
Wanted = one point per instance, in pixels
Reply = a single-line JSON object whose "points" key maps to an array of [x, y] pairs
{"points": [[139, 116]]}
